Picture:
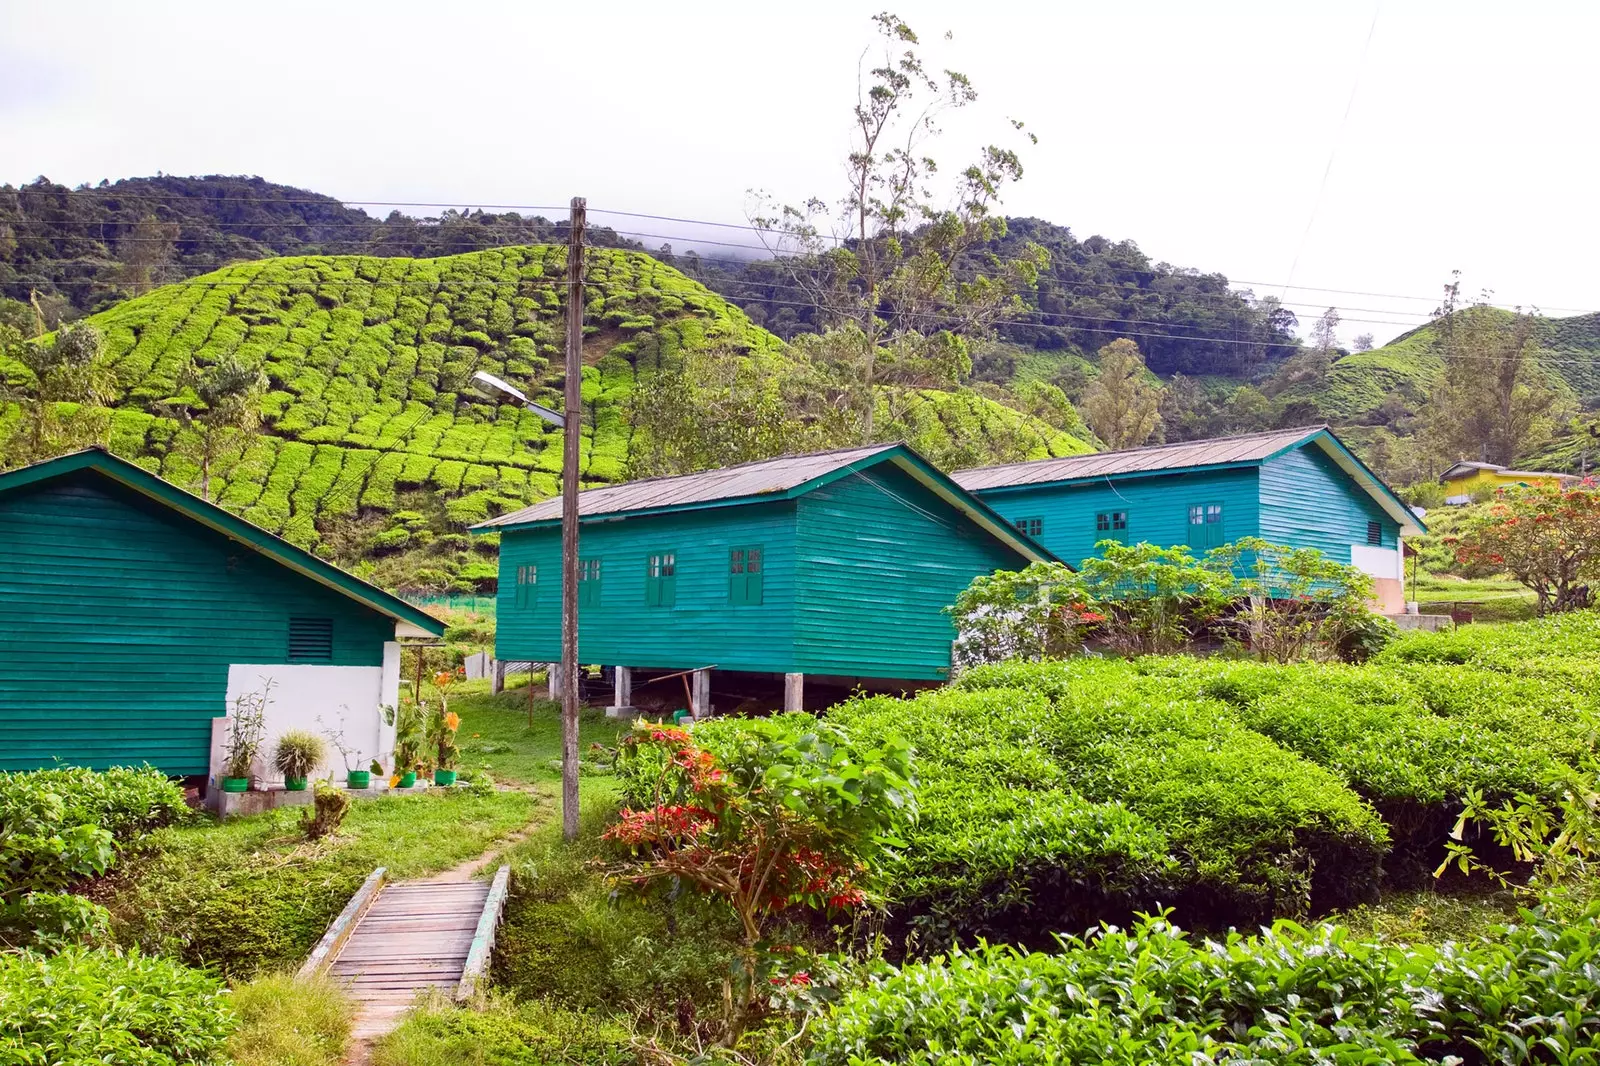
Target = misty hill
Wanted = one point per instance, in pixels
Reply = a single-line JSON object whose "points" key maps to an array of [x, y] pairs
{"points": [[372, 451]]}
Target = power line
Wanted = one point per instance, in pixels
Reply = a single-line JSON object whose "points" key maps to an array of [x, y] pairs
{"points": [[764, 250]]}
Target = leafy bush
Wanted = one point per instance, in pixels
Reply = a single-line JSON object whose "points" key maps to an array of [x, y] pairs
{"points": [[81, 1007], [59, 826], [1053, 791], [1153, 995]]}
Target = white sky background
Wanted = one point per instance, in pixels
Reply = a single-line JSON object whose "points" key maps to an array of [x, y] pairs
{"points": [[1201, 131]]}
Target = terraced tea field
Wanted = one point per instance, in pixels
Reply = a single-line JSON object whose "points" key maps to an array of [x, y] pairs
{"points": [[371, 448]]}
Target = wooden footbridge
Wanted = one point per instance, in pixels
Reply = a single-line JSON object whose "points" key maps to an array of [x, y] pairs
{"points": [[396, 939]]}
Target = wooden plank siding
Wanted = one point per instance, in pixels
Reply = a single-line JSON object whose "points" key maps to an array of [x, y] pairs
{"points": [[700, 627], [1307, 501], [119, 618], [879, 558], [1157, 506]]}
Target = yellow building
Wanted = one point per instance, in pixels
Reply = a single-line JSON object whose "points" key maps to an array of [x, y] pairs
{"points": [[1464, 480]]}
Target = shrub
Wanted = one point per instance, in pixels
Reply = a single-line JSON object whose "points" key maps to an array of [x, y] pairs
{"points": [[770, 816], [1547, 537], [299, 752], [1154, 599], [59, 826], [82, 1007], [329, 805], [1028, 614], [1115, 791], [1153, 995]]}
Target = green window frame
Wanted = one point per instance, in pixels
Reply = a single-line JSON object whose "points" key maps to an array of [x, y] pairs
{"points": [[527, 585], [589, 582], [1029, 527], [1206, 527], [1111, 525], [661, 579], [747, 575]]}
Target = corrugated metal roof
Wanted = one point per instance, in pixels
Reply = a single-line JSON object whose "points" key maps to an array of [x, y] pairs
{"points": [[1247, 447], [728, 483]]}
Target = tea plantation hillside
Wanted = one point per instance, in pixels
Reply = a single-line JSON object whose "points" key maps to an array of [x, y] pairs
{"points": [[371, 449]]}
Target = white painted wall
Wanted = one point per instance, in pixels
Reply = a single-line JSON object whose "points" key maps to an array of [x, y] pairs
{"points": [[1377, 562], [322, 699]]}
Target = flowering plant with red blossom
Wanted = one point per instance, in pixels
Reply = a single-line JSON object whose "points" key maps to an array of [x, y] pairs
{"points": [[777, 815], [1546, 536]]}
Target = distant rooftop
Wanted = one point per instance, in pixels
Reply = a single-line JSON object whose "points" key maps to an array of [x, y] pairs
{"points": [[1246, 447], [729, 483]]}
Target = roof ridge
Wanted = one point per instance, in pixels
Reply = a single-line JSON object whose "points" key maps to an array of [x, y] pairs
{"points": [[1299, 431], [736, 466]]}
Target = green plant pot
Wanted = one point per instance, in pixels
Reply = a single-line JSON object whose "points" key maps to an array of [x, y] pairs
{"points": [[444, 777], [408, 779], [359, 779], [294, 784], [236, 784]]}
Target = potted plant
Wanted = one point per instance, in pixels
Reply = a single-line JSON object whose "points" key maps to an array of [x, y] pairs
{"points": [[442, 738], [354, 779], [246, 727], [409, 743], [299, 753]]}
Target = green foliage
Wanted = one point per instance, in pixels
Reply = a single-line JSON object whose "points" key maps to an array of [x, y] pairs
{"points": [[1031, 614], [82, 1007], [1547, 537], [290, 1021], [504, 1032], [60, 826], [1154, 599], [299, 752], [252, 893], [1119, 794], [1153, 995]]}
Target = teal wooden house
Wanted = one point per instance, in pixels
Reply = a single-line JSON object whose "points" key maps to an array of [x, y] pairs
{"points": [[1300, 487], [839, 564], [133, 615]]}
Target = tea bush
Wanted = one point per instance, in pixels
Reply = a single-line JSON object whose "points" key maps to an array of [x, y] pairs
{"points": [[1154, 995], [126, 802], [1114, 790], [81, 1007]]}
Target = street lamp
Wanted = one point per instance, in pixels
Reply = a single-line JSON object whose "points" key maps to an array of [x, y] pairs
{"points": [[494, 388]]}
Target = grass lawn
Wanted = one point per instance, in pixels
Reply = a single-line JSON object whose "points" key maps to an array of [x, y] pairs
{"points": [[496, 736], [252, 893], [1489, 599]]}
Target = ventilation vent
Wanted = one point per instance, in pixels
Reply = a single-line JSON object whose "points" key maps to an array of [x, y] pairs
{"points": [[1374, 533], [310, 640]]}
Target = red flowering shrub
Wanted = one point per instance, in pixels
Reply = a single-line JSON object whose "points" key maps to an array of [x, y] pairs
{"points": [[772, 815], [1548, 538]]}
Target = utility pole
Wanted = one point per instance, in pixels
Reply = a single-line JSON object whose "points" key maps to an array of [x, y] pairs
{"points": [[570, 432]]}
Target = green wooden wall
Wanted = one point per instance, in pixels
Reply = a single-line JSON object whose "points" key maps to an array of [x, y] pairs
{"points": [[699, 628], [880, 557], [857, 575], [119, 619], [1308, 501], [1157, 507]]}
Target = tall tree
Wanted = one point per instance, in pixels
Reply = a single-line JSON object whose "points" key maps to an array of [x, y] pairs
{"points": [[1362, 343], [1122, 406], [215, 406], [1493, 402], [146, 254], [60, 388], [716, 408], [885, 265]]}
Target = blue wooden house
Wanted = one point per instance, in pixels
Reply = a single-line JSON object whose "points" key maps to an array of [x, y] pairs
{"points": [[1300, 487], [133, 615], [838, 563]]}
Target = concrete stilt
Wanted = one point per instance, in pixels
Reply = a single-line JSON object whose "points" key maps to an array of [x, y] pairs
{"points": [[554, 670], [498, 684], [622, 703], [700, 694], [794, 689]]}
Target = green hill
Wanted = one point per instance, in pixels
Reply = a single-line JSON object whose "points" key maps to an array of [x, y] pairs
{"points": [[372, 452]]}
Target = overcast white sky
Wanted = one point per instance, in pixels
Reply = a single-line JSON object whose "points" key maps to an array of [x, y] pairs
{"points": [[1201, 131]]}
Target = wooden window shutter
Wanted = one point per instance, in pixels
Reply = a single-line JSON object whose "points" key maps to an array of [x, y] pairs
{"points": [[1197, 526], [754, 576]]}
